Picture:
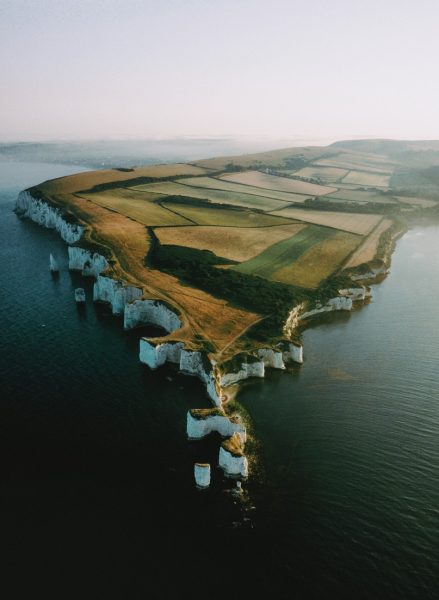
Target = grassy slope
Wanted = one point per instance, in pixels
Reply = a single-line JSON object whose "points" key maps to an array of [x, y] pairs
{"points": [[216, 183], [282, 184], [222, 216], [170, 188], [234, 243], [284, 253]]}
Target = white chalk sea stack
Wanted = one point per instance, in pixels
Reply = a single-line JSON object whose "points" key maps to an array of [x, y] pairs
{"points": [[202, 475]]}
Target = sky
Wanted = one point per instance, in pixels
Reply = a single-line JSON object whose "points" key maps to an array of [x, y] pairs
{"points": [[134, 69]]}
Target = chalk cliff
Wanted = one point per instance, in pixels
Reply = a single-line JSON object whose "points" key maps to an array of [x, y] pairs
{"points": [[231, 458], [199, 425], [156, 355], [91, 264], [202, 475], [190, 362], [40, 212], [115, 293], [356, 293], [372, 273], [153, 312], [246, 370], [338, 303]]}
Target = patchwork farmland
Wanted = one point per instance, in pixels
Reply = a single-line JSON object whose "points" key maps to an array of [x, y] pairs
{"points": [[235, 242]]}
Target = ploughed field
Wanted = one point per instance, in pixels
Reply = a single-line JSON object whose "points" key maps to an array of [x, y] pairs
{"points": [[230, 242]]}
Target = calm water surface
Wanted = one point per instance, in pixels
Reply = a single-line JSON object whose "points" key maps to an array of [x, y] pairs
{"points": [[96, 476]]}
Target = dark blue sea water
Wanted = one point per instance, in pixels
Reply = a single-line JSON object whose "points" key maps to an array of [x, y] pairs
{"points": [[97, 496]]}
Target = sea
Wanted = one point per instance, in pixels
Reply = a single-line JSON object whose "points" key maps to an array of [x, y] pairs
{"points": [[96, 474]]}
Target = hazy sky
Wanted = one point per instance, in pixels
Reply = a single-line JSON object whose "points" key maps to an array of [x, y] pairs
{"points": [[142, 68]]}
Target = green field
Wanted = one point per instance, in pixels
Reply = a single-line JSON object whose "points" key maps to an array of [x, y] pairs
{"points": [[240, 188], [325, 174], [171, 188], [365, 162], [284, 253], [210, 215], [320, 261], [140, 207], [281, 184], [359, 196], [234, 243], [367, 179]]}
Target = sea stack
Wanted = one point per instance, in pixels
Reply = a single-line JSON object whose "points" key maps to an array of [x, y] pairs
{"points": [[202, 475], [53, 265], [80, 296]]}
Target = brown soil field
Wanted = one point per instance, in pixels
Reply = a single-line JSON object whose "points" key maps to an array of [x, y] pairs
{"points": [[234, 243]]}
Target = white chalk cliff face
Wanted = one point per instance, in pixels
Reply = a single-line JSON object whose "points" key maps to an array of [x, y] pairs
{"points": [[292, 352], [189, 361], [273, 358], [192, 363], [153, 312], [199, 428], [373, 273], [115, 293], [156, 355], [247, 370], [43, 214], [356, 293], [233, 466], [90, 264], [338, 303]]}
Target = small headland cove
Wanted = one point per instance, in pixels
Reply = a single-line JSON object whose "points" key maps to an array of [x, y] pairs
{"points": [[233, 257]]}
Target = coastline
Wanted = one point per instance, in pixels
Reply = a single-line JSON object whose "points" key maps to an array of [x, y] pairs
{"points": [[221, 379]]}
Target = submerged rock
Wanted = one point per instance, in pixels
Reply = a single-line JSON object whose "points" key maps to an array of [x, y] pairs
{"points": [[53, 264], [79, 296]]}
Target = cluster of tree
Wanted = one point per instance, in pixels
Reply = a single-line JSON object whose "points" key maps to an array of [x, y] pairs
{"points": [[198, 267], [271, 299]]}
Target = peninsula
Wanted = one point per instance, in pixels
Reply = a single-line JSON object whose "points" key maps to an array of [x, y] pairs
{"points": [[232, 256]]}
